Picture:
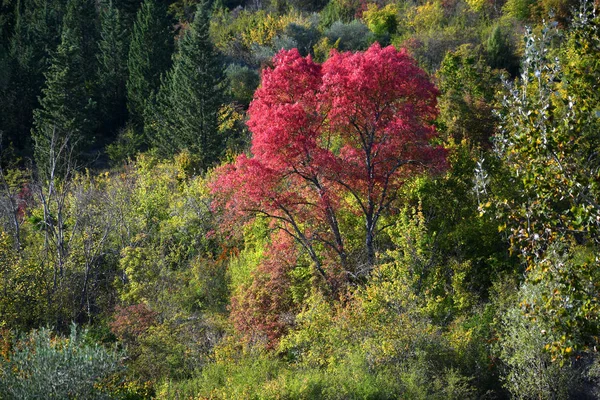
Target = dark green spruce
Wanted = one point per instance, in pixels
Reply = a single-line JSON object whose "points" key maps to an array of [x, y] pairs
{"points": [[34, 36], [186, 114], [149, 57], [112, 71], [65, 122]]}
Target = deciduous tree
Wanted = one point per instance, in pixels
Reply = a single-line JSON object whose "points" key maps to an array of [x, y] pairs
{"points": [[333, 139]]}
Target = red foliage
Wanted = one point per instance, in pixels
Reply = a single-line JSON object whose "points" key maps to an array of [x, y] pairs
{"points": [[130, 322], [24, 197], [261, 311], [359, 125]]}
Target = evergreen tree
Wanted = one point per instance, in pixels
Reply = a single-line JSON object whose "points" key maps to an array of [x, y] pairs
{"points": [[82, 18], [128, 10], [187, 109], [66, 106], [7, 19], [112, 71], [500, 52], [7, 100], [149, 56], [36, 32]]}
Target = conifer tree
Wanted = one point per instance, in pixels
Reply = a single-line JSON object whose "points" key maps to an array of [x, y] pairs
{"points": [[112, 70], [66, 106], [36, 32], [187, 109], [128, 10], [149, 56], [82, 18]]}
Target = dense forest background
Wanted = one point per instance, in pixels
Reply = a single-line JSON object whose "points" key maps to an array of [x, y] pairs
{"points": [[299, 199]]}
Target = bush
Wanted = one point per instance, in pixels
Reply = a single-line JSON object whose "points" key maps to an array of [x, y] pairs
{"points": [[243, 81], [43, 366], [530, 372], [352, 36], [382, 22], [338, 10], [305, 36]]}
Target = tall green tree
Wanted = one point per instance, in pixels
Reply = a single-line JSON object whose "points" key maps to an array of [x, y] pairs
{"points": [[66, 113], [128, 10], [500, 51], [149, 56], [112, 71], [548, 142], [81, 17], [186, 115], [35, 34]]}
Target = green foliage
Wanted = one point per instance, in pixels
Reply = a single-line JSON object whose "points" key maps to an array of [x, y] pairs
{"points": [[468, 88], [567, 301], [239, 35], [350, 36], [186, 115], [427, 17], [323, 48], [530, 371], [429, 46], [548, 141], [66, 113], [45, 366], [446, 312], [35, 34], [382, 22], [245, 261], [126, 145], [112, 70], [149, 57], [338, 11], [21, 284], [443, 284], [243, 81], [500, 51], [519, 9], [305, 35]]}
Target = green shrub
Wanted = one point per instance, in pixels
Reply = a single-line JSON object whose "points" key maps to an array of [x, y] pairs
{"points": [[43, 366], [243, 81], [352, 36], [530, 372]]}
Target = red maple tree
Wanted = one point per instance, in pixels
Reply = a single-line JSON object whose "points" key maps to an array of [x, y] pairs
{"points": [[358, 125]]}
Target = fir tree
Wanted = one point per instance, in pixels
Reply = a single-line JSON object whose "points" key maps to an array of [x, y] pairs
{"points": [[82, 18], [187, 109], [500, 53], [128, 10], [66, 108], [36, 32], [149, 56], [112, 71]]}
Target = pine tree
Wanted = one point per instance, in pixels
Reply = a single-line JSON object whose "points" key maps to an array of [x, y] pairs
{"points": [[500, 53], [82, 18], [112, 71], [36, 32], [187, 110], [149, 56], [128, 10], [66, 106]]}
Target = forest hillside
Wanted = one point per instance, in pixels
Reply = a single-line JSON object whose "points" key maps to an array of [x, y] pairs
{"points": [[299, 199]]}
